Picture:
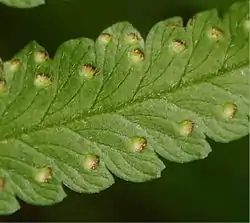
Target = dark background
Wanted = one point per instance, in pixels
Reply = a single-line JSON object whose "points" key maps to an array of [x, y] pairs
{"points": [[214, 189]]}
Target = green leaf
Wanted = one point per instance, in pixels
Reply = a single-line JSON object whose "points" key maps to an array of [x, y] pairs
{"points": [[23, 3], [113, 105]]}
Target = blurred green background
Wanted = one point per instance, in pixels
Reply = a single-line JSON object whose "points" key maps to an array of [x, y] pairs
{"points": [[214, 189]]}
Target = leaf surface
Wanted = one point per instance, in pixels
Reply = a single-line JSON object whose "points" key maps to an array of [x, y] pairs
{"points": [[23, 3], [112, 106]]}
